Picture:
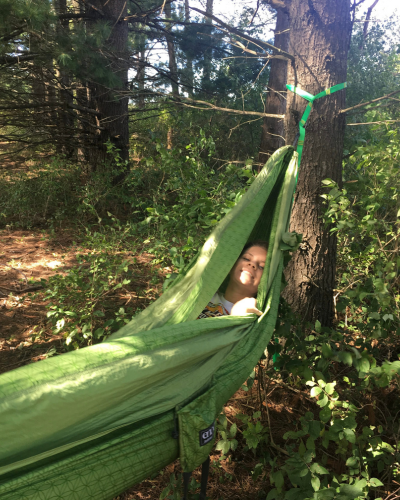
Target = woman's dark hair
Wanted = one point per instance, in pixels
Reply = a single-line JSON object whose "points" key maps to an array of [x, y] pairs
{"points": [[255, 243]]}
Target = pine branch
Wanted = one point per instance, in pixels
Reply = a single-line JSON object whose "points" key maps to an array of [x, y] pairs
{"points": [[274, 49]]}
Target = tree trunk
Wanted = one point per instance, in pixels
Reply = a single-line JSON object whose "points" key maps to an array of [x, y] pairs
{"points": [[140, 77], [320, 33], [189, 74], [173, 69], [65, 120], [273, 130], [112, 101], [207, 63]]}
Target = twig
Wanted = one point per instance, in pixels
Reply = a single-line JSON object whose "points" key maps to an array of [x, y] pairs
{"points": [[369, 102], [374, 123], [255, 13], [18, 271], [269, 420], [230, 421], [24, 290]]}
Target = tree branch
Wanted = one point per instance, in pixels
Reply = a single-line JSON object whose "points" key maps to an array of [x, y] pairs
{"points": [[387, 96], [50, 104], [227, 110], [277, 4], [274, 49], [374, 123], [16, 59], [366, 23]]}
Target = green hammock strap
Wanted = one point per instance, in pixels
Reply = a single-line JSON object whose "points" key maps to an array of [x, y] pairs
{"points": [[310, 98]]}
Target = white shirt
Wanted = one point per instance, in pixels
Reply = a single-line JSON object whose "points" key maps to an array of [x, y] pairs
{"points": [[218, 298]]}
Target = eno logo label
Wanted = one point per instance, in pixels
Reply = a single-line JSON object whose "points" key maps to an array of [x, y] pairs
{"points": [[206, 435]]}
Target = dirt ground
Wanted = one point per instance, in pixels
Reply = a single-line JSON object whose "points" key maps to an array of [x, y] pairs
{"points": [[26, 257]]}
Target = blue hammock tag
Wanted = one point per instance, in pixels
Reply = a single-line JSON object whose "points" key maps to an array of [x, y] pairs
{"points": [[206, 435]]}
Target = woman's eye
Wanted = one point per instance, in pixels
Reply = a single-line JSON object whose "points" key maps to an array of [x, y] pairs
{"points": [[261, 267], [245, 258]]}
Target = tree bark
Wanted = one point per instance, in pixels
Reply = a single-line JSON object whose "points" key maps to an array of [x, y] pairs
{"points": [[111, 101], [272, 135], [189, 74], [65, 120], [207, 62], [173, 69], [320, 32], [140, 77]]}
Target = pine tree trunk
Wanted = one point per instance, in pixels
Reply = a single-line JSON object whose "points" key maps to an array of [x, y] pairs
{"points": [[140, 77], [272, 136], [65, 120], [189, 74], [171, 54], [320, 33], [207, 62], [112, 101]]}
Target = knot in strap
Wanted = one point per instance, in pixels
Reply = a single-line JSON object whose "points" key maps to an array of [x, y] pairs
{"points": [[310, 98]]}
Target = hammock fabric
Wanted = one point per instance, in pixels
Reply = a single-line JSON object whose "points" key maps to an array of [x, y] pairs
{"points": [[93, 422]]}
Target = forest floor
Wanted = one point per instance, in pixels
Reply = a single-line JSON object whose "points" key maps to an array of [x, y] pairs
{"points": [[26, 257]]}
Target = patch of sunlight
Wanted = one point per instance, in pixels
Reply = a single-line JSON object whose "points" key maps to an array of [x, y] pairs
{"points": [[53, 264]]}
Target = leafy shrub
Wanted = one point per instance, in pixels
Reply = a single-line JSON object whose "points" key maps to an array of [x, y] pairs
{"points": [[77, 301], [47, 192], [365, 216]]}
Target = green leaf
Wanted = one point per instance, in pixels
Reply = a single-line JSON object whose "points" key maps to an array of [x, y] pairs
{"points": [[330, 388], [318, 326], [315, 483], [310, 444], [277, 478], [375, 482], [350, 436], [326, 351], [363, 365], [314, 429], [351, 491], [324, 401], [325, 414], [165, 493], [272, 495], [352, 462], [318, 469], [315, 391], [233, 430], [345, 357]]}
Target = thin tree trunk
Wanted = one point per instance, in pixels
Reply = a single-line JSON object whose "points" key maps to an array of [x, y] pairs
{"points": [[189, 74], [140, 77], [207, 63], [173, 69], [320, 31], [272, 136]]}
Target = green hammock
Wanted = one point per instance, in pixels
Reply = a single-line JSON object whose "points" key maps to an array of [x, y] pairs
{"points": [[93, 422]]}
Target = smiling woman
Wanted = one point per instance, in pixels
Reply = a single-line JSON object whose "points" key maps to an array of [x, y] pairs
{"points": [[240, 295]]}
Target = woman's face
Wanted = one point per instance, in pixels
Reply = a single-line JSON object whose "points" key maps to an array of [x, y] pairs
{"points": [[248, 269]]}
